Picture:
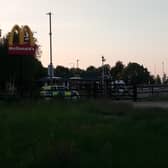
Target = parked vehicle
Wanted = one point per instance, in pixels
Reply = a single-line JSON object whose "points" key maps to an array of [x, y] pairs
{"points": [[56, 91], [119, 87]]}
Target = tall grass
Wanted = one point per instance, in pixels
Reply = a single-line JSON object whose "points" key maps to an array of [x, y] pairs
{"points": [[93, 133]]}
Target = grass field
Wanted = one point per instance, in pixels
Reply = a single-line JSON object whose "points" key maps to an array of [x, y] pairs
{"points": [[85, 134]]}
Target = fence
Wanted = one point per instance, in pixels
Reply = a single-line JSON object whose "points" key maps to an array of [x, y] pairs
{"points": [[124, 92], [109, 90]]}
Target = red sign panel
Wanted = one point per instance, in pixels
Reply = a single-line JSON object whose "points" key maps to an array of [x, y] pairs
{"points": [[21, 50]]}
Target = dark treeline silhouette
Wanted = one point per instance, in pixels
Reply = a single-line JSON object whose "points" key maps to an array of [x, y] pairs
{"points": [[131, 73], [19, 72]]}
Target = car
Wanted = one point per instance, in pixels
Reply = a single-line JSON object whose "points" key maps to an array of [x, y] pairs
{"points": [[119, 87], [56, 91]]}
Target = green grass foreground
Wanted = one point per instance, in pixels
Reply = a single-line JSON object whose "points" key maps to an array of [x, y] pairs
{"points": [[96, 133]]}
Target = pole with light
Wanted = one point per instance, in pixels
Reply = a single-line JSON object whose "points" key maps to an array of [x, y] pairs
{"points": [[77, 63], [103, 60], [51, 74]]}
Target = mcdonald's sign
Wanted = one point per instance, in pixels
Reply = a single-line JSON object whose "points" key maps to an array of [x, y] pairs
{"points": [[21, 41]]}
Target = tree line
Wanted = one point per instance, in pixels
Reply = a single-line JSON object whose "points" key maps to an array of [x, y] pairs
{"points": [[130, 73]]}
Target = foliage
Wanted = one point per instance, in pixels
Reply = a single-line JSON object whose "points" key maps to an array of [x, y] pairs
{"points": [[20, 71], [82, 134], [164, 79], [132, 73], [62, 71], [135, 73], [91, 72], [76, 72], [158, 79], [117, 70]]}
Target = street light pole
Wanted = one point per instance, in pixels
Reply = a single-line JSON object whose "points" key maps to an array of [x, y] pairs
{"points": [[103, 60], [103, 87], [50, 34], [77, 63], [163, 68]]}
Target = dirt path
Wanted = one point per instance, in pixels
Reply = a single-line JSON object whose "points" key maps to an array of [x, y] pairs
{"points": [[151, 104]]}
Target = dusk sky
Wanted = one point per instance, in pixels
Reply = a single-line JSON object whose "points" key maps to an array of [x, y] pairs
{"points": [[125, 30]]}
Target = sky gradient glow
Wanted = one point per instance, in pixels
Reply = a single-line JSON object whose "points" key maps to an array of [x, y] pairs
{"points": [[125, 30]]}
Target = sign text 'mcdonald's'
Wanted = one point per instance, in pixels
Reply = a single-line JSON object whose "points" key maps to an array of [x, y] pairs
{"points": [[21, 41]]}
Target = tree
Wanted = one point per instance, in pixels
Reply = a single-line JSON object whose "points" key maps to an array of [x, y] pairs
{"points": [[20, 71], [91, 69], [158, 79], [62, 71], [117, 70], [152, 79], [91, 72], [77, 72], [135, 73], [164, 79]]}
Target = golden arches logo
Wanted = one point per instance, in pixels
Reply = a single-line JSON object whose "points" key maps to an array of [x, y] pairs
{"points": [[26, 29], [22, 31]]}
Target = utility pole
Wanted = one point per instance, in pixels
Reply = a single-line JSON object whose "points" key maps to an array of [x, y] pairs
{"points": [[77, 63], [103, 87], [163, 68], [155, 70], [50, 67], [103, 60]]}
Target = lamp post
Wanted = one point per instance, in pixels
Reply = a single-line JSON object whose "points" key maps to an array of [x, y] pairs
{"points": [[163, 68], [50, 67], [103, 60], [77, 63]]}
